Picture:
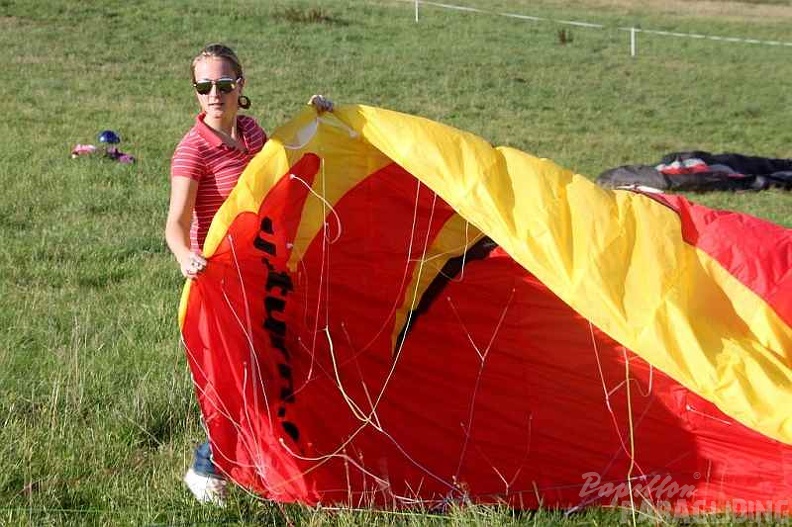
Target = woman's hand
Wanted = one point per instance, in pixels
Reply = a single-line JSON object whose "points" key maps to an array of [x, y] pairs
{"points": [[177, 227], [321, 103], [192, 265]]}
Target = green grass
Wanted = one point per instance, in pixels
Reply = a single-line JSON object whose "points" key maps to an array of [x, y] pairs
{"points": [[96, 403]]}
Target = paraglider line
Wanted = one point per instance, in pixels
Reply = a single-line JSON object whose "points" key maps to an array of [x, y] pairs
{"points": [[605, 388], [214, 400], [419, 271], [627, 450], [325, 263], [360, 373], [223, 412], [324, 201], [356, 411], [319, 366], [482, 356], [648, 392], [320, 460], [509, 483], [397, 350], [632, 434], [247, 330], [366, 420], [691, 409], [395, 306], [371, 419], [246, 439]]}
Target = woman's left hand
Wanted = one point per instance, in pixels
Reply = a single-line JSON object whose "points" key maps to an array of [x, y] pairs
{"points": [[193, 265], [321, 103]]}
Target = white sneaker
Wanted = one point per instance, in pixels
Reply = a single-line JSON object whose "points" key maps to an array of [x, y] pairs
{"points": [[206, 489]]}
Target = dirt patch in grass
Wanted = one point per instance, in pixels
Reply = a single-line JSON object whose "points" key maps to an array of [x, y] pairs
{"points": [[10, 21], [313, 15]]}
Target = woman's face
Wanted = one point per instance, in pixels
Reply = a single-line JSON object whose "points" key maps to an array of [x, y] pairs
{"points": [[218, 105]]}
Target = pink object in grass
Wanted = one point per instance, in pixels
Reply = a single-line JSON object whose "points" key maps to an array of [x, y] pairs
{"points": [[82, 150]]}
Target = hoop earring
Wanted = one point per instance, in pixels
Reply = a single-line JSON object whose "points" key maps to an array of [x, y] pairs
{"points": [[244, 102]]}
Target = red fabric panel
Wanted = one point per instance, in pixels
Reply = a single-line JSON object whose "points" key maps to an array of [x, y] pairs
{"points": [[762, 261], [500, 392], [234, 334]]}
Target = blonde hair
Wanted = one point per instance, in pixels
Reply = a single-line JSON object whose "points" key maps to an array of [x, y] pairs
{"points": [[218, 51]]}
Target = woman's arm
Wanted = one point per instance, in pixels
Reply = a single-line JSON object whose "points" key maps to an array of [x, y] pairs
{"points": [[177, 226]]}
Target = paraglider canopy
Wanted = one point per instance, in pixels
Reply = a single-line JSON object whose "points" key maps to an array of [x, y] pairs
{"points": [[397, 314]]}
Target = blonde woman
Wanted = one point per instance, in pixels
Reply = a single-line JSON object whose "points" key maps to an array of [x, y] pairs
{"points": [[204, 169]]}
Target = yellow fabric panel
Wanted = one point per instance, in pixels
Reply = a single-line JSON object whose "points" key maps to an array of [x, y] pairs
{"points": [[346, 161]]}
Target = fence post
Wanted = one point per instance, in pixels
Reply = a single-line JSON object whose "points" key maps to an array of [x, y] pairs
{"points": [[632, 41], [416, 10]]}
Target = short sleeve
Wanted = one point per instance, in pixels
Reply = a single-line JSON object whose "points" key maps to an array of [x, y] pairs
{"points": [[187, 160]]}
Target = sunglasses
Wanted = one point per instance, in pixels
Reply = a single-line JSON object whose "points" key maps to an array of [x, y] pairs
{"points": [[224, 85]]}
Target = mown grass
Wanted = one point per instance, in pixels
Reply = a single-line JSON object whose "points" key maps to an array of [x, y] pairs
{"points": [[96, 404]]}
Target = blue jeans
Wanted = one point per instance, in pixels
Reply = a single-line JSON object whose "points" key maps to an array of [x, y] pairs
{"points": [[202, 462]]}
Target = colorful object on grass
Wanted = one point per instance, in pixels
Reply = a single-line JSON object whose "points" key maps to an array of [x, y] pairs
{"points": [[397, 314], [83, 150], [116, 155], [108, 139]]}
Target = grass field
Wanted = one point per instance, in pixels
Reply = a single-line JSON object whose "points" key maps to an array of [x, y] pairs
{"points": [[96, 404]]}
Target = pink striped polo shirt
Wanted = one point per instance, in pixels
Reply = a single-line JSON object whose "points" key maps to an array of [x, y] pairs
{"points": [[201, 155]]}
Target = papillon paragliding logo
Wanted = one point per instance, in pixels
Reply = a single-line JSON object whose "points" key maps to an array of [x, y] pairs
{"points": [[656, 487]]}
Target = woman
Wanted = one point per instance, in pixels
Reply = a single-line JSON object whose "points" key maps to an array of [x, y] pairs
{"points": [[204, 169]]}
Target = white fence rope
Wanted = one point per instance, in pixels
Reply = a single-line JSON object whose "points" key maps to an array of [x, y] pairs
{"points": [[632, 30]]}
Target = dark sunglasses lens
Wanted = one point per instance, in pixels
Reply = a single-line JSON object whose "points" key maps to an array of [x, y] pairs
{"points": [[225, 85], [203, 87]]}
